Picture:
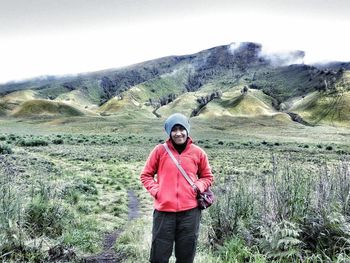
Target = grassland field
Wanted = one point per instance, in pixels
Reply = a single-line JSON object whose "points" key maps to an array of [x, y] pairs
{"points": [[80, 169]]}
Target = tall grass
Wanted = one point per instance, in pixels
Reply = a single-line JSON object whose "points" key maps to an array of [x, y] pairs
{"points": [[289, 213], [12, 234], [34, 221], [58, 200]]}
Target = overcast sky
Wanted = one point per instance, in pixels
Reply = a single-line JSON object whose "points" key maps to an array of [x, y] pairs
{"points": [[40, 37]]}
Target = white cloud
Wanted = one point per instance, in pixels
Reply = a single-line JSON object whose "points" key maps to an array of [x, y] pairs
{"points": [[115, 45]]}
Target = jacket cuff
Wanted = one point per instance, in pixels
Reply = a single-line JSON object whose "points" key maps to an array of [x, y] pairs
{"points": [[154, 192], [200, 186]]}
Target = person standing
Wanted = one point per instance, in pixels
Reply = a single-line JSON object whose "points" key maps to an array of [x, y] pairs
{"points": [[176, 215]]}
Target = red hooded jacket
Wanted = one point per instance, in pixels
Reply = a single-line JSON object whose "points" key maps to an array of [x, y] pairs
{"points": [[171, 191]]}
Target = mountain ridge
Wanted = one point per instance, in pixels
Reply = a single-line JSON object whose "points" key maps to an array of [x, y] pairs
{"points": [[206, 77]]}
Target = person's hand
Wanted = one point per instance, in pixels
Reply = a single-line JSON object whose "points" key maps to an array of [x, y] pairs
{"points": [[196, 189]]}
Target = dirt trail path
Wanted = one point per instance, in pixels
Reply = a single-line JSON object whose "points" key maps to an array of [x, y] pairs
{"points": [[108, 254]]}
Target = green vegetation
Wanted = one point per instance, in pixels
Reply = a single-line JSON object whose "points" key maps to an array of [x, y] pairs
{"points": [[329, 107], [43, 107], [280, 199], [63, 196], [5, 149], [72, 148]]}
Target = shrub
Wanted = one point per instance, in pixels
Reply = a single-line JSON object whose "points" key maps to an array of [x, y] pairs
{"points": [[5, 149], [13, 251], [33, 142], [328, 233], [301, 214], [12, 137], [71, 195], [57, 141], [235, 205], [86, 186], [13, 245], [46, 217], [282, 241], [235, 250]]}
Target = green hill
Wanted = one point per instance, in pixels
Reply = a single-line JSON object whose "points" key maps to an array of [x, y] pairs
{"points": [[11, 101], [235, 104], [254, 102], [21, 96], [3, 109], [325, 107], [330, 106], [183, 104], [118, 104], [34, 108], [78, 99]]}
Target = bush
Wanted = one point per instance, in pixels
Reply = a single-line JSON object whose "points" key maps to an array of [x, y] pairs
{"points": [[46, 217], [86, 186], [291, 214], [235, 250], [32, 143], [235, 205], [329, 233], [19, 252], [71, 195], [12, 137], [5, 149], [281, 241], [57, 141]]}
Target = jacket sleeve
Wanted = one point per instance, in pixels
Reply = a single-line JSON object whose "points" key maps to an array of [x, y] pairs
{"points": [[204, 174], [149, 171]]}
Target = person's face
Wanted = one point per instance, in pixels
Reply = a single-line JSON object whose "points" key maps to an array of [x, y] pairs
{"points": [[178, 134]]}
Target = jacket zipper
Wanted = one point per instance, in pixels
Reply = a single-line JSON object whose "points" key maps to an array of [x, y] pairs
{"points": [[177, 178], [177, 185]]}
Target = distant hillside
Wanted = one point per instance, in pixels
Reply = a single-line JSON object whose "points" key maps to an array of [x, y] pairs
{"points": [[45, 108], [235, 80], [336, 65], [100, 86], [331, 106], [11, 101], [253, 102], [183, 104]]}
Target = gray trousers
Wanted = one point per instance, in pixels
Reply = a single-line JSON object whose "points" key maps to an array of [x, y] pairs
{"points": [[181, 228]]}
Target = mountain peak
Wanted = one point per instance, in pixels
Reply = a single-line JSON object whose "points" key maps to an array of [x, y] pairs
{"points": [[235, 55]]}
